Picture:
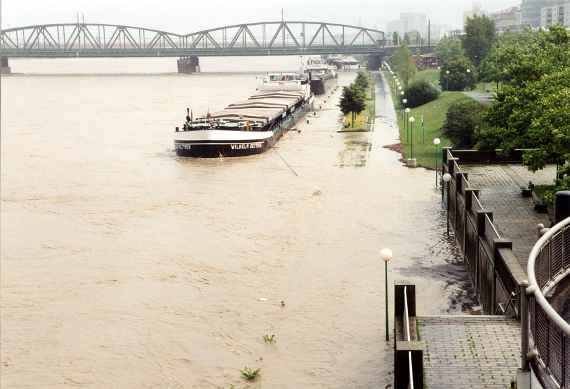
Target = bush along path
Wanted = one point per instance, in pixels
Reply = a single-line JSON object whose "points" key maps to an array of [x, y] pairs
{"points": [[358, 104]]}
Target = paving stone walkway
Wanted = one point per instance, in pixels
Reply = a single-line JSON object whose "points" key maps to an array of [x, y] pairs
{"points": [[514, 215], [470, 352]]}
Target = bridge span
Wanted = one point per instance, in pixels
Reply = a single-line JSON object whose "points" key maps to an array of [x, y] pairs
{"points": [[250, 39]]}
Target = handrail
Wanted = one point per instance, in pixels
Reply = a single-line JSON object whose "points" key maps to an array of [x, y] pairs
{"points": [[533, 285], [408, 338]]}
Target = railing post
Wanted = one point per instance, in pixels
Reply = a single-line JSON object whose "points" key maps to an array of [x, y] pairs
{"points": [[524, 325]]}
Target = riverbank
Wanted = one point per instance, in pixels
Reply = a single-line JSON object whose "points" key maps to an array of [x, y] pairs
{"points": [[429, 120]]}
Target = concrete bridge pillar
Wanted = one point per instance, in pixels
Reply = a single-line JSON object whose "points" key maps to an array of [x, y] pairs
{"points": [[189, 65], [4, 67], [374, 61]]}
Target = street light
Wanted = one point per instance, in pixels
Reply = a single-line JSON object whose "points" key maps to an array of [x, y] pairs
{"points": [[436, 143], [412, 120], [406, 115], [386, 255], [446, 179], [405, 101], [447, 80]]}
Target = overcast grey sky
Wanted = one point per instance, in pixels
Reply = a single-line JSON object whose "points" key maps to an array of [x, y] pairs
{"points": [[184, 16]]}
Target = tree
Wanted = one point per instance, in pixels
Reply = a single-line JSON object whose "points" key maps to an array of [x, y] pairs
{"points": [[532, 108], [395, 38], [479, 37], [404, 64], [362, 81], [463, 121], [353, 101], [536, 117], [457, 74], [420, 93], [448, 48], [517, 59]]}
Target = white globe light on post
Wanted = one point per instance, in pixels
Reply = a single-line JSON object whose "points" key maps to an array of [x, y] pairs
{"points": [[402, 93], [446, 179], [386, 255], [412, 120], [436, 143]]}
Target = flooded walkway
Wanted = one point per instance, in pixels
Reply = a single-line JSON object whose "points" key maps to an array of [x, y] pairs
{"points": [[124, 266]]}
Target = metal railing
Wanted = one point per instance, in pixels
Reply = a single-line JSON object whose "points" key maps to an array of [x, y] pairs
{"points": [[408, 338], [492, 265], [547, 333]]}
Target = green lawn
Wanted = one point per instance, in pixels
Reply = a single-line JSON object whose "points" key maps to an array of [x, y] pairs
{"points": [[434, 116]]}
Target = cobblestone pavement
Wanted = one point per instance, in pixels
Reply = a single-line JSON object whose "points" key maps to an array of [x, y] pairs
{"points": [[469, 351], [514, 215]]}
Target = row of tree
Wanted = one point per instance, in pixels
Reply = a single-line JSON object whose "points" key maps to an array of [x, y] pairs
{"points": [[353, 98]]}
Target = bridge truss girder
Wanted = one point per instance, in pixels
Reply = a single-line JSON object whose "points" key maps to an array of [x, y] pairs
{"points": [[268, 38]]}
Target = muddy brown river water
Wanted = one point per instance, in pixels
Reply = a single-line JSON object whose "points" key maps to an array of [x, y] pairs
{"points": [[123, 266]]}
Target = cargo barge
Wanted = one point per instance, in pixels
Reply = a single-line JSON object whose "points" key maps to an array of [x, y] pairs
{"points": [[247, 127]]}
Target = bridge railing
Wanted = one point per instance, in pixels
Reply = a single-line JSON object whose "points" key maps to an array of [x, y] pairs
{"points": [[548, 333]]}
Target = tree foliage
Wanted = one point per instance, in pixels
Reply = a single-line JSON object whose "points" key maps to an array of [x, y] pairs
{"points": [[448, 48], [420, 93], [463, 122], [532, 108], [353, 100], [457, 74], [479, 37], [362, 81], [403, 64]]}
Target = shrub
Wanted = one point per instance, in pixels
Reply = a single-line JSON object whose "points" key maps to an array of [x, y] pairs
{"points": [[463, 122], [421, 92]]}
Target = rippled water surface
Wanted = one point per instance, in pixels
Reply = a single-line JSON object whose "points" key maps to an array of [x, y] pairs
{"points": [[124, 266]]}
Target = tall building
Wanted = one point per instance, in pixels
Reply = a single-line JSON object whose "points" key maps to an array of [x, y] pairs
{"points": [[415, 22], [557, 14], [507, 19], [476, 10], [531, 11], [409, 22]]}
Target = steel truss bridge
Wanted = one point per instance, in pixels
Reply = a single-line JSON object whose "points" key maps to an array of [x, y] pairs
{"points": [[252, 39]]}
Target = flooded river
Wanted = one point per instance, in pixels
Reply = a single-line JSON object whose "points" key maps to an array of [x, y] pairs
{"points": [[124, 266]]}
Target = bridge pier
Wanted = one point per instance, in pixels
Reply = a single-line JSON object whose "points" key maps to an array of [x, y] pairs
{"points": [[4, 67], [375, 61], [189, 65]]}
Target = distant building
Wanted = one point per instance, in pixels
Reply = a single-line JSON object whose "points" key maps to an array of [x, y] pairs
{"points": [[557, 14], [507, 19], [477, 10], [414, 21], [531, 11], [427, 61], [409, 22]]}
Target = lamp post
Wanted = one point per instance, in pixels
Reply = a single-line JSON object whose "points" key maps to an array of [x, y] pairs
{"points": [[446, 179], [436, 143], [406, 115], [447, 80], [411, 128], [386, 255]]}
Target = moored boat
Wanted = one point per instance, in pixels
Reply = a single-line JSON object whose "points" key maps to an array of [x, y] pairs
{"points": [[247, 127], [321, 76]]}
